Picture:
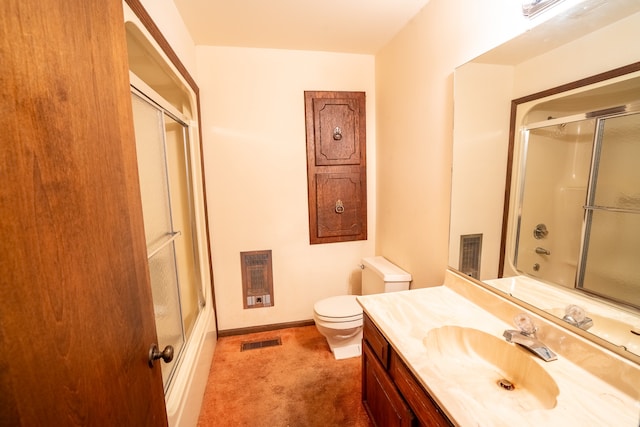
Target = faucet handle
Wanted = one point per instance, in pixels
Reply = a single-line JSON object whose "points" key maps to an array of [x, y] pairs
{"points": [[524, 322], [577, 316], [575, 312]]}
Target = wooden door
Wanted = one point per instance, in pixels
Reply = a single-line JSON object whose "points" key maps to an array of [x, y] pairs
{"points": [[76, 317]]}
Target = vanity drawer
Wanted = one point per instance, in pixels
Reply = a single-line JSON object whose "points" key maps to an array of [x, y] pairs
{"points": [[377, 342], [422, 405]]}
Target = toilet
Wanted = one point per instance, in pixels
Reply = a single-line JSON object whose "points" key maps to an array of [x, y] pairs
{"points": [[339, 318]]}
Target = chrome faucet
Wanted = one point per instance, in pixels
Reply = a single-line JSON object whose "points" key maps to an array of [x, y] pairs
{"points": [[526, 338], [577, 316]]}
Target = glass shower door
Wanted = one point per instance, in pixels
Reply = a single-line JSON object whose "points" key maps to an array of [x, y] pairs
{"points": [[149, 124], [612, 247]]}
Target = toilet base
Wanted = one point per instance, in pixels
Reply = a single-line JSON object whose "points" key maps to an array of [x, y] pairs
{"points": [[345, 345], [346, 352]]}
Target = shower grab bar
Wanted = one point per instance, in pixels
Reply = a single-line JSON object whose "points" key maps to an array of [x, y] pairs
{"points": [[172, 236]]}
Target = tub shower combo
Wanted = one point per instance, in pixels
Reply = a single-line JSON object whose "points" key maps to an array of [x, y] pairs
{"points": [[165, 111]]}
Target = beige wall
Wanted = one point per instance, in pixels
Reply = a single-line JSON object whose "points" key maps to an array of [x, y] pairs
{"points": [[414, 82], [481, 132], [253, 131], [255, 162], [166, 16]]}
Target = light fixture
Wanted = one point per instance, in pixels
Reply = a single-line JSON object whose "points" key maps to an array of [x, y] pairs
{"points": [[530, 8]]}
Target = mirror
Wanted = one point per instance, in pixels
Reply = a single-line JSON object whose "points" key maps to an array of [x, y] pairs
{"points": [[556, 63]]}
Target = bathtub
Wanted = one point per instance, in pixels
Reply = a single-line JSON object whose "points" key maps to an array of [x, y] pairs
{"points": [[184, 396]]}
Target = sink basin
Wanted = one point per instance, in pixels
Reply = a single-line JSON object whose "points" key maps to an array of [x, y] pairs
{"points": [[615, 331], [491, 370]]}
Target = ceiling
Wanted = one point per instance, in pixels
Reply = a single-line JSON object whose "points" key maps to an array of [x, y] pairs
{"points": [[350, 26]]}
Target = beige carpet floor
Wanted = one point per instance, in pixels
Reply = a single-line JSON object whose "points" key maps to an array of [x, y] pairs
{"points": [[296, 384]]}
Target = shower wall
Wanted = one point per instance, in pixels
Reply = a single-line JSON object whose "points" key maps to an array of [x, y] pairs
{"points": [[555, 188]]}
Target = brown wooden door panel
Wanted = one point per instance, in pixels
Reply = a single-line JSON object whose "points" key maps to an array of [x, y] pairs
{"points": [[336, 123], [421, 403], [339, 205], [77, 317], [381, 399]]}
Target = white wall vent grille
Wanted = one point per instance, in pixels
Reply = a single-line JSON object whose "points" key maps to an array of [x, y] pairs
{"points": [[470, 254]]}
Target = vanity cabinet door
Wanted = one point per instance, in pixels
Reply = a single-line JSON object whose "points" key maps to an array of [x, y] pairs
{"points": [[425, 409], [381, 399]]}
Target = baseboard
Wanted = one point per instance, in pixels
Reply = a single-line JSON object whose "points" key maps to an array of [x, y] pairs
{"points": [[264, 328]]}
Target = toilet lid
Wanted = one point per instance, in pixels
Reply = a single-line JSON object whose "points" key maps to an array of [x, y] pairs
{"points": [[340, 307]]}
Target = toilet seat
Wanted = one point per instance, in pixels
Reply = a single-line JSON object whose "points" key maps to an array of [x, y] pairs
{"points": [[339, 309]]}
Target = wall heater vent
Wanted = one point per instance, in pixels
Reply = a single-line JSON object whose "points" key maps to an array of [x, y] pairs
{"points": [[470, 253], [257, 279]]}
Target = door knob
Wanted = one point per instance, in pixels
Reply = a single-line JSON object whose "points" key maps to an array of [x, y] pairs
{"points": [[154, 354]]}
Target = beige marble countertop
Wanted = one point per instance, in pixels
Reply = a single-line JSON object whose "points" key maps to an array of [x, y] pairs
{"points": [[596, 387]]}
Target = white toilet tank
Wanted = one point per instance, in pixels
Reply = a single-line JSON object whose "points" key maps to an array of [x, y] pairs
{"points": [[380, 275]]}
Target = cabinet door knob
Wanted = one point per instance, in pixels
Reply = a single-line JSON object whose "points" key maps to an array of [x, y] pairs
{"points": [[337, 133], [339, 206]]}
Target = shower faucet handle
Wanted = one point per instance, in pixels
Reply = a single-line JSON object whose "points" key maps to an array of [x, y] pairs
{"points": [[540, 232]]}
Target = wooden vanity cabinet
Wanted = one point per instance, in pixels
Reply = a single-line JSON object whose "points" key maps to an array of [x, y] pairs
{"points": [[381, 399], [425, 409], [390, 393]]}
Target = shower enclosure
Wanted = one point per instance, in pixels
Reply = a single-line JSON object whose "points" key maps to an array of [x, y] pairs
{"points": [[164, 170], [165, 110], [579, 211]]}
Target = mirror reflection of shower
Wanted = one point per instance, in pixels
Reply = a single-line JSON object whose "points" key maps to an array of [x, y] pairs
{"points": [[554, 191], [581, 181]]}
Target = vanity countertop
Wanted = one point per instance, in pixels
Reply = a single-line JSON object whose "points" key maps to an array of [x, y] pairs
{"points": [[596, 387]]}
